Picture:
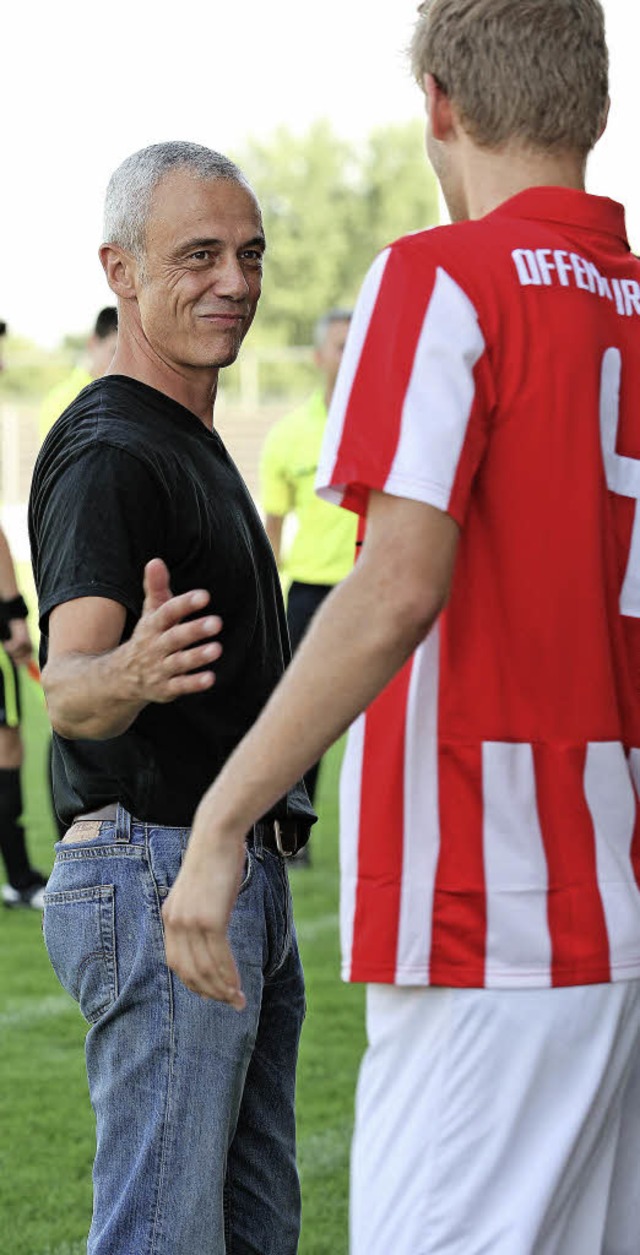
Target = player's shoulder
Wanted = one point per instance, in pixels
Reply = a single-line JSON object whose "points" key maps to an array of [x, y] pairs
{"points": [[461, 249]]}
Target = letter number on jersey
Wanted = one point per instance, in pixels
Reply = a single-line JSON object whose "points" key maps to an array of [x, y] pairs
{"points": [[623, 474]]}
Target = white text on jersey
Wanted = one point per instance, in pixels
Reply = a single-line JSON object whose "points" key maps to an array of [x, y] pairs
{"points": [[546, 267]]}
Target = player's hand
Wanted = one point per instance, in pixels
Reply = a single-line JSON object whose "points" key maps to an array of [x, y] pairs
{"points": [[18, 643], [197, 911], [165, 654]]}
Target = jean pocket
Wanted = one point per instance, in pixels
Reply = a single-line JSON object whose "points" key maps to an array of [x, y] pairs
{"points": [[79, 933]]}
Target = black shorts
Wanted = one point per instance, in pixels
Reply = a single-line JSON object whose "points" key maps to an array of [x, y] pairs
{"points": [[9, 692]]}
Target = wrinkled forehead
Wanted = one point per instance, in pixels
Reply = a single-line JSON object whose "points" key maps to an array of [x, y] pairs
{"points": [[184, 204]]}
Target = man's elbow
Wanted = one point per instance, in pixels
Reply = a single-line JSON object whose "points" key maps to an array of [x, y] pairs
{"points": [[427, 609], [415, 613], [57, 708], [49, 688]]}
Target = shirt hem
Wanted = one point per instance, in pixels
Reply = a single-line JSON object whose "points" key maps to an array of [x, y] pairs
{"points": [[89, 590], [466, 978]]}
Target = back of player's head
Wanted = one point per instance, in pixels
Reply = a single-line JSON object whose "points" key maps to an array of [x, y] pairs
{"points": [[533, 71], [106, 323], [131, 186]]}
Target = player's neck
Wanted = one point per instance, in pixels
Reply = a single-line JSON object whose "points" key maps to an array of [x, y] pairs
{"points": [[490, 177]]}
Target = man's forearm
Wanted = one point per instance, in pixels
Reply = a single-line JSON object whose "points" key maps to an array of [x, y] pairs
{"points": [[366, 629], [92, 697], [357, 641]]}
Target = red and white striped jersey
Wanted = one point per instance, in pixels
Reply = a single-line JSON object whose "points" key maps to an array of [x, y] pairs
{"points": [[489, 796]]}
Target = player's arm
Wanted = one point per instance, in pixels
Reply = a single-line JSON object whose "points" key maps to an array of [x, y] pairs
{"points": [[13, 611], [96, 686], [273, 527], [367, 628]]}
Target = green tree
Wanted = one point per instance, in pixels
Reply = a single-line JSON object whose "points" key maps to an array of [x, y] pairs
{"points": [[30, 371], [329, 206]]}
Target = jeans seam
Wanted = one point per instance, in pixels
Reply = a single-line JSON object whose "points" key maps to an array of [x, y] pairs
{"points": [[287, 914], [157, 1229]]}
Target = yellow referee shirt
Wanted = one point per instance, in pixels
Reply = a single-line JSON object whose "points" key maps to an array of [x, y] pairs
{"points": [[60, 396], [324, 545]]}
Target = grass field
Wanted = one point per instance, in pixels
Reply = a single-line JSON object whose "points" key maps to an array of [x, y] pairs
{"points": [[46, 1125]]}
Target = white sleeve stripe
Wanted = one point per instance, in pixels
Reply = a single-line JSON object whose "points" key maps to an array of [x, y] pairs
{"points": [[441, 391], [348, 367]]}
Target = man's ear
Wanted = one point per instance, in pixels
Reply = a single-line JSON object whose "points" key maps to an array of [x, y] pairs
{"points": [[439, 110], [121, 270]]}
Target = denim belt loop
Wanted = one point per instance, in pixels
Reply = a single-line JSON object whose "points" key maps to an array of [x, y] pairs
{"points": [[256, 842], [122, 824]]}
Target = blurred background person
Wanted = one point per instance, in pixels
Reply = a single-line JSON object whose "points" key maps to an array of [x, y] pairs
{"points": [[25, 885], [100, 348], [322, 551]]}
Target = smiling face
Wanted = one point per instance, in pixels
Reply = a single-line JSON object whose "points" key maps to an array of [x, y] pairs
{"points": [[200, 284]]}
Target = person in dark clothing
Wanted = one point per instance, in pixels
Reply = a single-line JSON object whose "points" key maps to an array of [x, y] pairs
{"points": [[25, 885], [140, 521]]}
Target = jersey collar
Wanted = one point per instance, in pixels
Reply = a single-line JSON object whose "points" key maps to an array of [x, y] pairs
{"points": [[567, 205]]}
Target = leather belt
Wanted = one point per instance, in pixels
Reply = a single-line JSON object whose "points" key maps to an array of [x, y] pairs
{"points": [[105, 812], [281, 836]]}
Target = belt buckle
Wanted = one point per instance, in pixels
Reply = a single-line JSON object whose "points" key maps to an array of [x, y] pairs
{"points": [[277, 832]]}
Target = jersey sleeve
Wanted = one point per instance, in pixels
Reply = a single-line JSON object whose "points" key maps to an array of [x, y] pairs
{"points": [[94, 525], [410, 411], [275, 488]]}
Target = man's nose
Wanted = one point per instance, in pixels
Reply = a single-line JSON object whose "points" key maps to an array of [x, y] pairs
{"points": [[230, 279]]}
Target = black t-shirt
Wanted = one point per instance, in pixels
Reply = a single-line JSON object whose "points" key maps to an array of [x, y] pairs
{"points": [[125, 475]]}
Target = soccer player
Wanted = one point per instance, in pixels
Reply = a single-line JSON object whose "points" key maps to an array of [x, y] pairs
{"points": [[25, 885], [486, 422]]}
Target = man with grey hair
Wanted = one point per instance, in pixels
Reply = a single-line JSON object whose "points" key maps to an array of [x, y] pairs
{"points": [[323, 547], [139, 522], [486, 423]]}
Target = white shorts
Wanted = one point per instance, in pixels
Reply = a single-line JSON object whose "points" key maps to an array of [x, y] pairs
{"points": [[498, 1122]]}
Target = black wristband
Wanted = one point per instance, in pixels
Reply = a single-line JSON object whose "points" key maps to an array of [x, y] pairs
{"points": [[16, 608]]}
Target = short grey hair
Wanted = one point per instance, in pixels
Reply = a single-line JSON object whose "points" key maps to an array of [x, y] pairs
{"points": [[326, 321], [131, 187]]}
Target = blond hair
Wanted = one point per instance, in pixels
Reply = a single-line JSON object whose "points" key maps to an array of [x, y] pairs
{"points": [[534, 71]]}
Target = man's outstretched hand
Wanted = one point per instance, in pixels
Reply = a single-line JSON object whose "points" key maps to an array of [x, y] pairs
{"points": [[166, 653]]}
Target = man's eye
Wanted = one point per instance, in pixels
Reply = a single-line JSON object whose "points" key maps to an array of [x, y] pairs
{"points": [[200, 255], [253, 254]]}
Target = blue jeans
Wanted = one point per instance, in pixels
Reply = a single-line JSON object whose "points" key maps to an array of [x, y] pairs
{"points": [[194, 1102]]}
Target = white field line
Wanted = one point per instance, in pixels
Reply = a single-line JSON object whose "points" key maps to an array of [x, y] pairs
{"points": [[67, 1248], [20, 1016], [321, 1153], [309, 929]]}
